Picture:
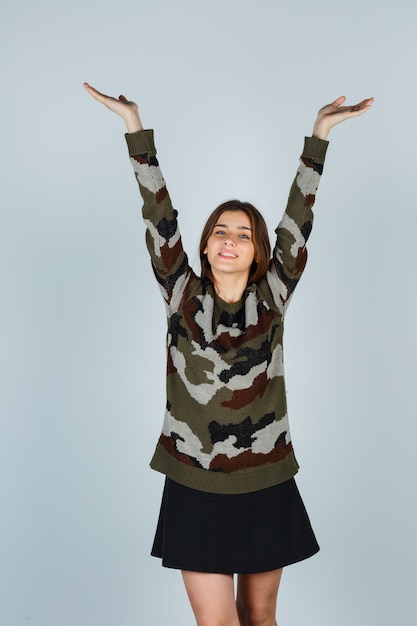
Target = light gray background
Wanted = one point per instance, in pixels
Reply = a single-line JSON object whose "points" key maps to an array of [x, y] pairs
{"points": [[234, 85]]}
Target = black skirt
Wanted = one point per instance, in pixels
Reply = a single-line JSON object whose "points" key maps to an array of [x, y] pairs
{"points": [[240, 533]]}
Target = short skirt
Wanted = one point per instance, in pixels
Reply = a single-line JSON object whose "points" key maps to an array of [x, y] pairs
{"points": [[240, 533]]}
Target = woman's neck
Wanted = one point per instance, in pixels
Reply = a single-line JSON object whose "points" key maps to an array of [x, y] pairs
{"points": [[229, 288]]}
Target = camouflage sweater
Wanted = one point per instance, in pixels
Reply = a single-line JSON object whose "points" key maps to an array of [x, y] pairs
{"points": [[226, 427]]}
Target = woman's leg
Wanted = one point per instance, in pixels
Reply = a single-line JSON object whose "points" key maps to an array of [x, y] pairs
{"points": [[257, 598], [212, 598]]}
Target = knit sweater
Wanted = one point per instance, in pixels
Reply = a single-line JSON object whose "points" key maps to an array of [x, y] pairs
{"points": [[226, 426]]}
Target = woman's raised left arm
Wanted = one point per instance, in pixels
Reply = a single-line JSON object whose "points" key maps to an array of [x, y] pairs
{"points": [[290, 253]]}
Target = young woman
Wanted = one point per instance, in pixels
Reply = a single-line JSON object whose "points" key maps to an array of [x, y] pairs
{"points": [[230, 503]]}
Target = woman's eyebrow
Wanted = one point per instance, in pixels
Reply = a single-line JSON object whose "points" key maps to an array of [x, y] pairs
{"points": [[240, 227]]}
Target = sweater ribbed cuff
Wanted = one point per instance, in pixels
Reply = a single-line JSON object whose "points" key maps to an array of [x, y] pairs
{"points": [[141, 142], [315, 149]]}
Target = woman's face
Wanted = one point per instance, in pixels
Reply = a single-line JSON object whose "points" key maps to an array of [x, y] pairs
{"points": [[230, 248]]}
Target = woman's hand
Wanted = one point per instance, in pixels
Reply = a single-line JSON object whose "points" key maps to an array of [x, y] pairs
{"points": [[127, 109], [335, 113]]}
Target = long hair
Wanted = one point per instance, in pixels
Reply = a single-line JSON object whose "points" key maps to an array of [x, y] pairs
{"points": [[259, 233]]}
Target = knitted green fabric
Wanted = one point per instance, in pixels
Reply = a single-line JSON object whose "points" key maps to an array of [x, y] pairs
{"points": [[226, 426]]}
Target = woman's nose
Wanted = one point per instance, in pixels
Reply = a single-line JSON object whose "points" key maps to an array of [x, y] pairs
{"points": [[229, 241]]}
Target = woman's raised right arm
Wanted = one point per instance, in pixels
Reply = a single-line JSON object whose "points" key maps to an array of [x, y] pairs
{"points": [[163, 239]]}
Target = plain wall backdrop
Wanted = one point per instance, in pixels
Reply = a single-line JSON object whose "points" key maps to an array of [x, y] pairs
{"points": [[82, 321]]}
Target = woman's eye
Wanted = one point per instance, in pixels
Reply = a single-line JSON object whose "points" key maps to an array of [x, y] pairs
{"points": [[219, 232], [243, 236]]}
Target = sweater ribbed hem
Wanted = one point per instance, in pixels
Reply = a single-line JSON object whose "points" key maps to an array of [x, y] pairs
{"points": [[241, 481]]}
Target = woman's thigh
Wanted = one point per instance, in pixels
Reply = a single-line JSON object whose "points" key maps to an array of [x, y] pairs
{"points": [[257, 597], [212, 598]]}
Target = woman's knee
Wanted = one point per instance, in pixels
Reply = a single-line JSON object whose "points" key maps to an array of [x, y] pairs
{"points": [[256, 615]]}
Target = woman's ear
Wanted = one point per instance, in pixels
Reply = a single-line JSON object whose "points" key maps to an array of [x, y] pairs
{"points": [[205, 250]]}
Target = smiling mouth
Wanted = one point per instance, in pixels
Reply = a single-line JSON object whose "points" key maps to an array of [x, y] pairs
{"points": [[228, 255]]}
